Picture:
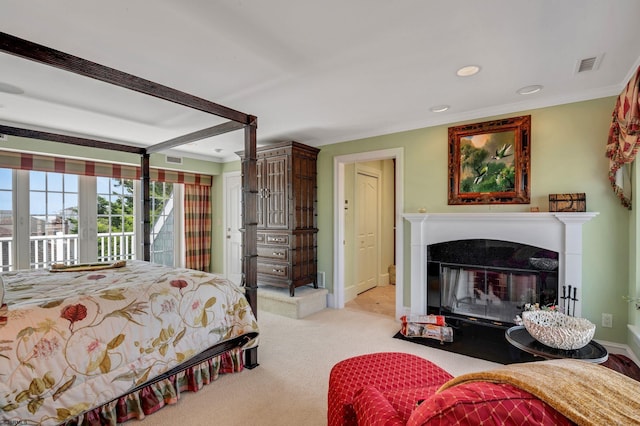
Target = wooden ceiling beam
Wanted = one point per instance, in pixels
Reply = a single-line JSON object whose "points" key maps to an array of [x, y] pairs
{"points": [[196, 136], [55, 58], [73, 140]]}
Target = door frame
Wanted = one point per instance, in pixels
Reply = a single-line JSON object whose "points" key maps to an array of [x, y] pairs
{"points": [[339, 163]]}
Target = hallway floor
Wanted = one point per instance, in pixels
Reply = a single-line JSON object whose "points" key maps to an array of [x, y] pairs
{"points": [[381, 300]]}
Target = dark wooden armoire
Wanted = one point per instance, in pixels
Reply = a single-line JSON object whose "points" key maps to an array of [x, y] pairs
{"points": [[287, 215]]}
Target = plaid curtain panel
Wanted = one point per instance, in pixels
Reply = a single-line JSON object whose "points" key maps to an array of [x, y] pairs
{"points": [[197, 226]]}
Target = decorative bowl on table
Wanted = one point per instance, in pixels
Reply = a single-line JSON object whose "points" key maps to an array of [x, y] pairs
{"points": [[557, 330]]}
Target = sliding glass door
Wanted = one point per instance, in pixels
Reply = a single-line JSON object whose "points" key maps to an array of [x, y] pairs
{"points": [[48, 217], [115, 215], [53, 218], [6, 220], [163, 235]]}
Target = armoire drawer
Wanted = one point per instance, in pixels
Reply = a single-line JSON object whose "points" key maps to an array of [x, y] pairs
{"points": [[282, 239], [273, 269], [274, 252]]}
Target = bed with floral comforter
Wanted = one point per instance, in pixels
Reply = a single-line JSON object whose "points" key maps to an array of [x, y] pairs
{"points": [[75, 340]]}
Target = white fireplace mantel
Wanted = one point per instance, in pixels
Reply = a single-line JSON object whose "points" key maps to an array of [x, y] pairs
{"points": [[560, 232]]}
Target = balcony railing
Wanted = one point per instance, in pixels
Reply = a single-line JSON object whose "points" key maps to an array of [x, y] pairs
{"points": [[6, 254], [63, 248], [116, 247], [48, 249]]}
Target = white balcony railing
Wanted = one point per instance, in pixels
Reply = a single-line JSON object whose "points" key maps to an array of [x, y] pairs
{"points": [[48, 249], [6, 254], [63, 248], [116, 247]]}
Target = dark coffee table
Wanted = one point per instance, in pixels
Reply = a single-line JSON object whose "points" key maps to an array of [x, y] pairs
{"points": [[519, 337]]}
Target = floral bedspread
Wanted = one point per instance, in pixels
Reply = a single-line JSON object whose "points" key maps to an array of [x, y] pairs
{"points": [[75, 340]]}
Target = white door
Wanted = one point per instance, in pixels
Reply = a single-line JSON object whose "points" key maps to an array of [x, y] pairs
{"points": [[233, 223], [366, 226]]}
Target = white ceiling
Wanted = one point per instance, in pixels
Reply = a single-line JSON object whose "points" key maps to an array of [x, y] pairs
{"points": [[318, 72]]}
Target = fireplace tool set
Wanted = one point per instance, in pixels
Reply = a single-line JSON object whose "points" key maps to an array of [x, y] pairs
{"points": [[567, 299]]}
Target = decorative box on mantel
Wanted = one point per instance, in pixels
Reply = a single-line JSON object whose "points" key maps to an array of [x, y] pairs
{"points": [[560, 232], [568, 202]]}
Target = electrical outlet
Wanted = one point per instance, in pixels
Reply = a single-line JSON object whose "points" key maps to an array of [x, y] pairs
{"points": [[607, 320]]}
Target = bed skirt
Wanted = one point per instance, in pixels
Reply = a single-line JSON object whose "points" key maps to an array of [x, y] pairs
{"points": [[152, 397]]}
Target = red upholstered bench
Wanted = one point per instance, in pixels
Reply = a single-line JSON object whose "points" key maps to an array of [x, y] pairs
{"points": [[386, 371]]}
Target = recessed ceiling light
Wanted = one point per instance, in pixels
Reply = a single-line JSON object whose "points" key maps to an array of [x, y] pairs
{"points": [[440, 108], [529, 90], [468, 71], [10, 88]]}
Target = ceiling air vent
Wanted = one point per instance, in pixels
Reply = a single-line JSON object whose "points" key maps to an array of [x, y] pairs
{"points": [[588, 64], [173, 159]]}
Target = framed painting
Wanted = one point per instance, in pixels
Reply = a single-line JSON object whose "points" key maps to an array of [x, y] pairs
{"points": [[489, 163]]}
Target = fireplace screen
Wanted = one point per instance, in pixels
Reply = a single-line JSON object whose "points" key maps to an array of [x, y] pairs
{"points": [[489, 280], [494, 295]]}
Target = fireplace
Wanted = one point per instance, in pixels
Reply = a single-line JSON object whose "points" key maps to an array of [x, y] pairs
{"points": [[560, 233], [489, 281]]}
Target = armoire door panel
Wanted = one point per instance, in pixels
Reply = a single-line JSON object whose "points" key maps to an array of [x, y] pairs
{"points": [[276, 177], [261, 195]]}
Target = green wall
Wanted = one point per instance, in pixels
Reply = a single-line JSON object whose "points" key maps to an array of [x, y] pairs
{"points": [[634, 270], [567, 155]]}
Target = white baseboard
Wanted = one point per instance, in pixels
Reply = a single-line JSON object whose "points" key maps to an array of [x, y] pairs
{"points": [[619, 348], [350, 293], [383, 279], [331, 301]]}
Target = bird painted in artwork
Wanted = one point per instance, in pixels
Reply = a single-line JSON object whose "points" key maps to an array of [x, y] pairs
{"points": [[480, 174], [502, 152]]}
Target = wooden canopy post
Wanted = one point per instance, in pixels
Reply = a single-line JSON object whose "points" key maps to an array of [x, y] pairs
{"points": [[250, 227], [145, 181]]}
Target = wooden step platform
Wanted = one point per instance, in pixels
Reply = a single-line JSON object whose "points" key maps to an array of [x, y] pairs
{"points": [[307, 301]]}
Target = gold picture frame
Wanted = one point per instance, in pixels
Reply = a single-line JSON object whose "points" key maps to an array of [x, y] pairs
{"points": [[489, 162]]}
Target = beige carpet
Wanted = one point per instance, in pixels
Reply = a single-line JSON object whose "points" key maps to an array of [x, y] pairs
{"points": [[290, 385]]}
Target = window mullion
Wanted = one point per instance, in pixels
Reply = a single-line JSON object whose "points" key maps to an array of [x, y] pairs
{"points": [[87, 218], [138, 227], [22, 230]]}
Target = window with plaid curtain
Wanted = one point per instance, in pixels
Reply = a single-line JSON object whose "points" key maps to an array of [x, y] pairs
{"points": [[624, 139], [197, 193], [197, 226]]}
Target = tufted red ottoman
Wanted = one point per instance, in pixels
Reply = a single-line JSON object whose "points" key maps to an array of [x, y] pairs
{"points": [[386, 371]]}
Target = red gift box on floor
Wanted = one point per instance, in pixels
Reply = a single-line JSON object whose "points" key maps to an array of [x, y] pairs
{"points": [[427, 326]]}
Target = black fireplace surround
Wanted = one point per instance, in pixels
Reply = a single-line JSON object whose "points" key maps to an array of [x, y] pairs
{"points": [[489, 281]]}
